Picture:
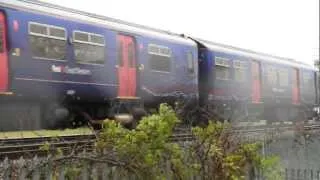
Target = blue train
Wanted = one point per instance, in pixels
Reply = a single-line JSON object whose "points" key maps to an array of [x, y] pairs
{"points": [[62, 65]]}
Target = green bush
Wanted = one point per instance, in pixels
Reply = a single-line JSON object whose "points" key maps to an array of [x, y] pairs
{"points": [[217, 153]]}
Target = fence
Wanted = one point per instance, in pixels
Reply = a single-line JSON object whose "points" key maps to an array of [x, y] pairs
{"points": [[28, 169], [302, 174]]}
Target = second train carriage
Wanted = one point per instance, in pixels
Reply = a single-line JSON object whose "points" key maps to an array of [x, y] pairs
{"points": [[246, 85]]}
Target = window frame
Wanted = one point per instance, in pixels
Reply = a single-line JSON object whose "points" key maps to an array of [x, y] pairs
{"points": [[224, 65], [89, 43], [224, 59], [89, 38], [169, 56], [243, 66], [159, 53], [48, 26], [279, 72]]}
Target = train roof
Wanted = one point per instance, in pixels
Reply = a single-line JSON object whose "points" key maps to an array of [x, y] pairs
{"points": [[91, 18], [254, 55]]}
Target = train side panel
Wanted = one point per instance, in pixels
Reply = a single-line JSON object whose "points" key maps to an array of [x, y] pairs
{"points": [[169, 70], [257, 88], [231, 77], [46, 76], [277, 83]]}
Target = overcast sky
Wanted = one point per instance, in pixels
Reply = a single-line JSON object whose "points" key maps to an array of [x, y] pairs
{"points": [[288, 28]]}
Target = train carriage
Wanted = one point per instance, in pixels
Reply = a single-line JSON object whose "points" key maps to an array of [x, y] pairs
{"points": [[267, 88], [62, 65], [57, 59]]}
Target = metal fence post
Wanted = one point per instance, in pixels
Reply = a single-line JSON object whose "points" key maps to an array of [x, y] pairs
{"points": [[21, 169], [36, 173], [6, 169]]}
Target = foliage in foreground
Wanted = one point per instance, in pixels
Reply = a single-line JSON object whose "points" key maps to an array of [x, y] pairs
{"points": [[147, 152]]}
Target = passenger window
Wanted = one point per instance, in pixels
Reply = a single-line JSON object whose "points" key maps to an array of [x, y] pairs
{"points": [[98, 39], [47, 41], [89, 48], [57, 32], [222, 68], [278, 76], [38, 29], [239, 71], [81, 37], [159, 58]]}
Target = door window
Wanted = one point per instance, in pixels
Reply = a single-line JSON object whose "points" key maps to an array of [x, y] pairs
{"points": [[256, 82], [1, 37], [120, 53], [131, 55]]}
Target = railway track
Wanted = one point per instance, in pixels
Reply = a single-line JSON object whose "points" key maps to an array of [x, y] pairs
{"points": [[14, 148]]}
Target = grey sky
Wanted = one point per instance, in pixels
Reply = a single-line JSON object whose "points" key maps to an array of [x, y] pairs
{"points": [[288, 28]]}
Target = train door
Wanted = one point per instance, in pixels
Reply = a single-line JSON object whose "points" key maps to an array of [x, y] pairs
{"points": [[295, 87], [256, 82], [127, 72], [3, 55]]}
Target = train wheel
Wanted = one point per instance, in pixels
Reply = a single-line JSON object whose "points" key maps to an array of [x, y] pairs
{"points": [[138, 114]]}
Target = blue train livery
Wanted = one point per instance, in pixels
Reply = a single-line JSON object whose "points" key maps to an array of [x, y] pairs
{"points": [[60, 66]]}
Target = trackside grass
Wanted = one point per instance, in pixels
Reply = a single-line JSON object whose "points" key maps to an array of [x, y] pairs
{"points": [[44, 133]]}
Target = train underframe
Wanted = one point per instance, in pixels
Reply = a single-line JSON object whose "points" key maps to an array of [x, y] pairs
{"points": [[27, 114], [257, 114], [33, 114]]}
